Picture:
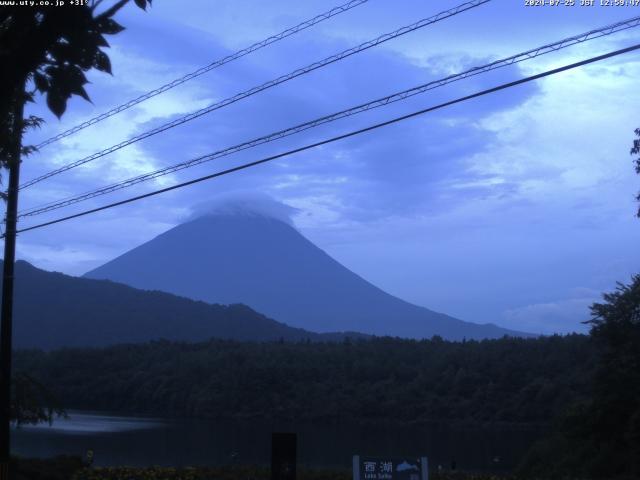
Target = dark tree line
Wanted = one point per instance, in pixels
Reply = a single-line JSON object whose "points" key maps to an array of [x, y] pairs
{"points": [[511, 381]]}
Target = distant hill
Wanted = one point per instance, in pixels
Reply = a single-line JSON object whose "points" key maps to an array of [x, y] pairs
{"points": [[53, 310], [243, 256]]}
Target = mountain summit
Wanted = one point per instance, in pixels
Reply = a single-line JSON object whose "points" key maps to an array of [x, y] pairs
{"points": [[244, 255]]}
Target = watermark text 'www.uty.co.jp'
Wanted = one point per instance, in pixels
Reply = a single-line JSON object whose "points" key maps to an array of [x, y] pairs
{"points": [[43, 3]]}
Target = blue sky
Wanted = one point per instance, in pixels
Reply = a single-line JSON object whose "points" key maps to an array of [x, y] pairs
{"points": [[517, 208]]}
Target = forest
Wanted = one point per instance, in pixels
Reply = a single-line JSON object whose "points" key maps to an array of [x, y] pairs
{"points": [[510, 380]]}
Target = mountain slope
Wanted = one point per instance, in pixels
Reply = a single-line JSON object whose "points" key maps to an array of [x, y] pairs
{"points": [[54, 310], [266, 264]]}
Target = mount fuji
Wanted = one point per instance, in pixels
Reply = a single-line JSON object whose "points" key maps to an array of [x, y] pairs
{"points": [[241, 254]]}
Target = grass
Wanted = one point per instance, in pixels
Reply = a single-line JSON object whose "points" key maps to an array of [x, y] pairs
{"points": [[59, 468], [240, 473], [72, 468]]}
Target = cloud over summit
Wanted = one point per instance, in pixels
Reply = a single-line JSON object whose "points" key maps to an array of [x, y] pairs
{"points": [[244, 202]]}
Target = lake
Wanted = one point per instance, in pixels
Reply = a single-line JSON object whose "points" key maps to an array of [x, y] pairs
{"points": [[139, 441]]}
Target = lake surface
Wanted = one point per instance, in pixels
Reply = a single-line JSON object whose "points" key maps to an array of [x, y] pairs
{"points": [[138, 441]]}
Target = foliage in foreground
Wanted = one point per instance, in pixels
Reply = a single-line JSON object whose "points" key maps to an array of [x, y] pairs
{"points": [[244, 473], [32, 402], [71, 468], [600, 437], [58, 468]]}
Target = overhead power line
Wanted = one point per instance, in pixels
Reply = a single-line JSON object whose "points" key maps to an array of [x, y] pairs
{"points": [[213, 65], [395, 97], [272, 83], [340, 137]]}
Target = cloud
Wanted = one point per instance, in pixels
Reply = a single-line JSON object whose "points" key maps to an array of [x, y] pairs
{"points": [[557, 146], [245, 202], [561, 316], [136, 73], [53, 258], [501, 204]]}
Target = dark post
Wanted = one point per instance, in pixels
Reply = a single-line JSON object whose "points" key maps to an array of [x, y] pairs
{"points": [[283, 456], [7, 288]]}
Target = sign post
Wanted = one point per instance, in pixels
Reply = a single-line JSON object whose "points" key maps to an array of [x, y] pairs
{"points": [[283, 456], [384, 468]]}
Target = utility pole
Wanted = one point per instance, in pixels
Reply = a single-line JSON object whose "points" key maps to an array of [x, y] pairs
{"points": [[6, 325]]}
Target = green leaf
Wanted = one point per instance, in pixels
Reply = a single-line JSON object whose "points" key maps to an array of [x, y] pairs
{"points": [[28, 150], [74, 80], [142, 4], [100, 40], [109, 26], [31, 121], [56, 102], [102, 62], [78, 90], [41, 82]]}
